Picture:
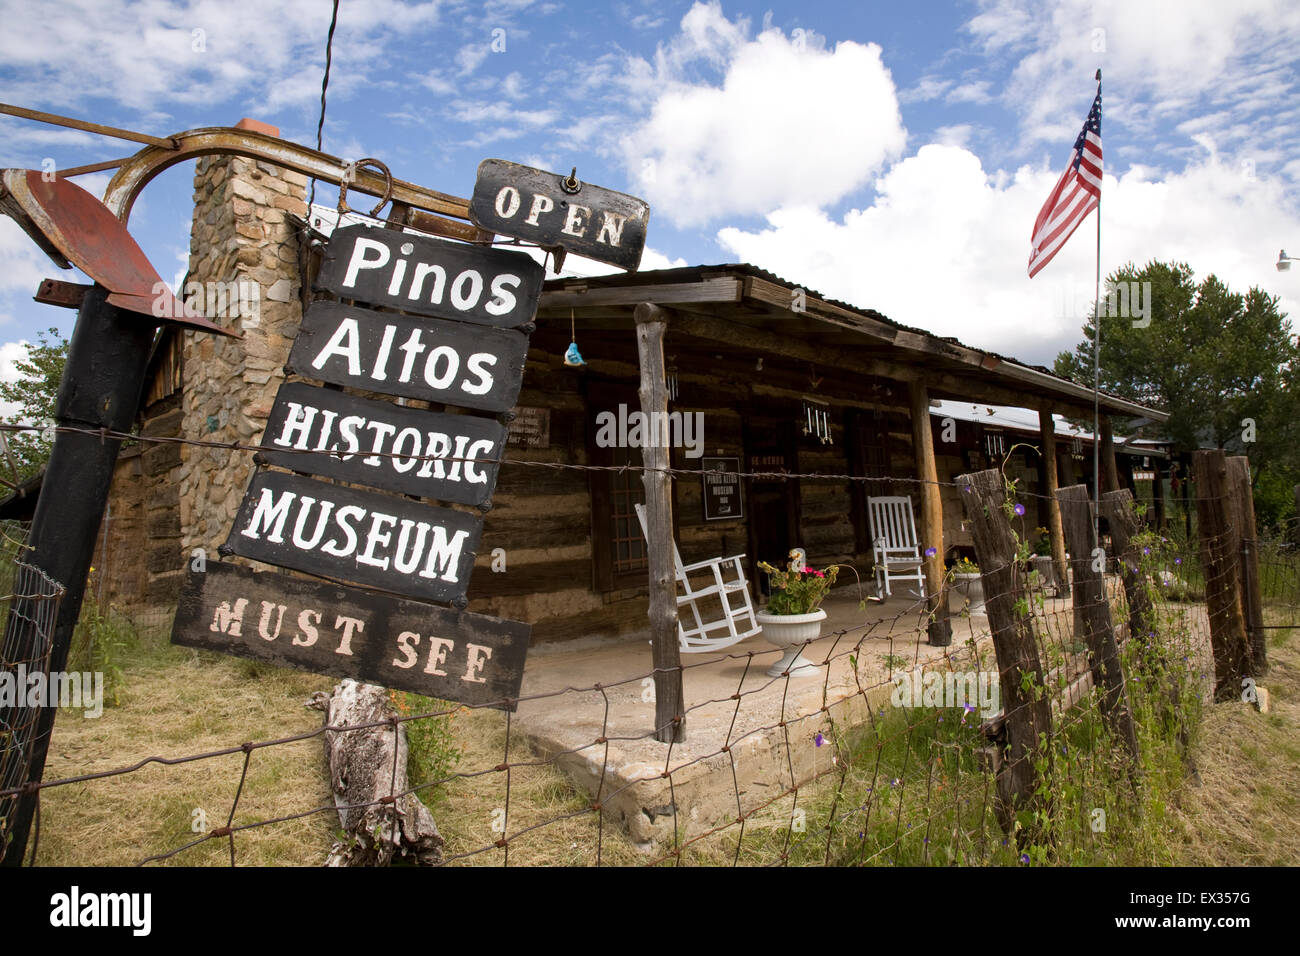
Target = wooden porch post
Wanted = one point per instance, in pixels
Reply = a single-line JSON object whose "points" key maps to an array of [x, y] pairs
{"points": [[1055, 530], [670, 710], [1109, 470], [931, 515]]}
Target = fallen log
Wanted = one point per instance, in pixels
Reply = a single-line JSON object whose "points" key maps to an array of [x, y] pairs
{"points": [[367, 768]]}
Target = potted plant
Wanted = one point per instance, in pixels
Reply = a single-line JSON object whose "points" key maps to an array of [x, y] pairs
{"points": [[968, 583], [1041, 560], [793, 615]]}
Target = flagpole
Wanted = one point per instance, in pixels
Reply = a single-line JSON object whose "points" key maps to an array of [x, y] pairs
{"points": [[1096, 380]]}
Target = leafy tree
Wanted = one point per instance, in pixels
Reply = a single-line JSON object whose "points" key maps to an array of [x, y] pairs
{"points": [[1221, 363], [35, 395]]}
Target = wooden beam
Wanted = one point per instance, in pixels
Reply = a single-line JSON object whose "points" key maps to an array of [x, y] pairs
{"points": [[579, 296], [940, 629], [670, 708], [1055, 531]]}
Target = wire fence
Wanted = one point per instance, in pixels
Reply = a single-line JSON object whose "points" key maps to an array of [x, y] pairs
{"points": [[893, 752]]}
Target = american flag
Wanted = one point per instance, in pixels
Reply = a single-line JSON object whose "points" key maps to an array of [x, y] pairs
{"points": [[1077, 193]]}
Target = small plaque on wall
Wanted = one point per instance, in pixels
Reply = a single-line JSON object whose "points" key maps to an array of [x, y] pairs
{"points": [[531, 428], [722, 491]]}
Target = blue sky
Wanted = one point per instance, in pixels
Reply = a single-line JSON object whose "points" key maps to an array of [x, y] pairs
{"points": [[891, 155]]}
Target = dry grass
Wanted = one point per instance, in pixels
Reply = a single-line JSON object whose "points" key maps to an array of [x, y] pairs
{"points": [[1244, 809]]}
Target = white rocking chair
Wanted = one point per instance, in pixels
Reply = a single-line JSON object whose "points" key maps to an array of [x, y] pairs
{"points": [[894, 548], [737, 621]]}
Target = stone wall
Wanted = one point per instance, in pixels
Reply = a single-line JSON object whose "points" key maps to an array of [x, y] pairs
{"points": [[242, 232]]}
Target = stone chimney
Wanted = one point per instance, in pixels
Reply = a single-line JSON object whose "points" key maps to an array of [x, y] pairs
{"points": [[244, 273]]}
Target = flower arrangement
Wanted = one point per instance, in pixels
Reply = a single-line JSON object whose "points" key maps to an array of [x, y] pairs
{"points": [[799, 589], [965, 566]]}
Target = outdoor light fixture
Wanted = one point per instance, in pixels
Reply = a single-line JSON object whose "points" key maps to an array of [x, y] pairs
{"points": [[1284, 261]]}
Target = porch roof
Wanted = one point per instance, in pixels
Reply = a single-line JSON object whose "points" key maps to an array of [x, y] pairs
{"points": [[749, 309]]}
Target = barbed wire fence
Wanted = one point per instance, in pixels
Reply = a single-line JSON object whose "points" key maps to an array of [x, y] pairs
{"points": [[879, 759]]}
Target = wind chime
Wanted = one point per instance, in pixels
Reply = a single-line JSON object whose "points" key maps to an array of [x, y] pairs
{"points": [[817, 420]]}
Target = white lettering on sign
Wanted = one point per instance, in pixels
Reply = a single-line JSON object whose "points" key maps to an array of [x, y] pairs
{"points": [[466, 287], [577, 219], [369, 537], [347, 437], [442, 367]]}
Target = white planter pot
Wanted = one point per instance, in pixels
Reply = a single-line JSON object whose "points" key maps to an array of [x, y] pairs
{"points": [[969, 587], [791, 633]]}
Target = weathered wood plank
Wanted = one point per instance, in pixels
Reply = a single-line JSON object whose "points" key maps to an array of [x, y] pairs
{"points": [[1251, 594], [1221, 558]]}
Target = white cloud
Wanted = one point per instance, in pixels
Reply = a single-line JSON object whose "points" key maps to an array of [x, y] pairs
{"points": [[11, 353], [945, 244], [790, 123]]}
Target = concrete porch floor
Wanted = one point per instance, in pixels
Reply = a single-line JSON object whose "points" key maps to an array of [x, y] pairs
{"points": [[628, 768]]}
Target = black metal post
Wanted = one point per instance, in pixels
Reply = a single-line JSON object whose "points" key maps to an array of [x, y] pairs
{"points": [[102, 381]]}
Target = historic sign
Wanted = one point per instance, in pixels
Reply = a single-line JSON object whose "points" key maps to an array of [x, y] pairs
{"points": [[365, 537], [448, 280], [399, 355], [343, 632], [722, 496], [407, 450], [531, 428], [555, 210]]}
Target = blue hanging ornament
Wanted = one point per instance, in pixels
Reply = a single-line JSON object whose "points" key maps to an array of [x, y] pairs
{"points": [[572, 356]]}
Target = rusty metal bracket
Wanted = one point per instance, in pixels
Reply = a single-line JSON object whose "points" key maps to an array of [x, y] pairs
{"points": [[141, 168], [67, 295]]}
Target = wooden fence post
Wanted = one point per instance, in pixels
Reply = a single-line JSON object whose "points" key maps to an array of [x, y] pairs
{"points": [[1092, 611], [670, 710], [1221, 558], [940, 627], [1118, 510], [1055, 534], [1251, 593], [1027, 713]]}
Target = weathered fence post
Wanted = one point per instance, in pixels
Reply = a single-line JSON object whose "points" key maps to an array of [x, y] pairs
{"points": [[1251, 593], [1026, 711], [940, 627], [1055, 534], [670, 710], [1117, 508], [1221, 558], [1092, 611]]}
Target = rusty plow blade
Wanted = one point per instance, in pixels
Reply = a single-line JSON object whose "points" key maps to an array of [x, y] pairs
{"points": [[74, 228]]}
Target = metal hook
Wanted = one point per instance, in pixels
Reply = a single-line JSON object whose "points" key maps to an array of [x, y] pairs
{"points": [[570, 184]]}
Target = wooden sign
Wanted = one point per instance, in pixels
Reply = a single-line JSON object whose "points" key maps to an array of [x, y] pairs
{"points": [[398, 355], [343, 632], [552, 210], [426, 276], [531, 428], [722, 495], [390, 543], [381, 444]]}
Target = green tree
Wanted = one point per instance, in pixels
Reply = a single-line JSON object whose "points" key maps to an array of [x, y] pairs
{"points": [[1219, 362], [34, 394]]}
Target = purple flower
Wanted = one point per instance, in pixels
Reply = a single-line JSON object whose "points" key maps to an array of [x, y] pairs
{"points": [[930, 552], [1146, 550], [819, 740], [1178, 560], [1020, 509], [1024, 858]]}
